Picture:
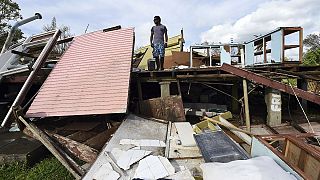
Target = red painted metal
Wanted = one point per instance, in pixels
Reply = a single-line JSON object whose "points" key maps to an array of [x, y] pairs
{"points": [[92, 77], [270, 83]]}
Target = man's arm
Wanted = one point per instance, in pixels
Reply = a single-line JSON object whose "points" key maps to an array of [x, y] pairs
{"points": [[166, 38], [151, 38]]}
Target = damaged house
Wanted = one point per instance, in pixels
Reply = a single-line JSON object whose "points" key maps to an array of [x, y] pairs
{"points": [[222, 110]]}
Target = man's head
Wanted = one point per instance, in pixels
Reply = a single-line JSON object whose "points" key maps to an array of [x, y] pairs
{"points": [[157, 20]]}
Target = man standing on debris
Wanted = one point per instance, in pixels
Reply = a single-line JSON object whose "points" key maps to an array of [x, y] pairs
{"points": [[158, 40]]}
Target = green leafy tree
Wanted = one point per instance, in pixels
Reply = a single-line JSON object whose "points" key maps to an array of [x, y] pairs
{"points": [[9, 11], [65, 33], [312, 56]]}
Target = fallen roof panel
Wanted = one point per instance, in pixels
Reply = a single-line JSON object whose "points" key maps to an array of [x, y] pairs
{"points": [[92, 77]]}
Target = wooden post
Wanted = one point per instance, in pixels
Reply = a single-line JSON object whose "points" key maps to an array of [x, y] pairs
{"points": [[300, 45], [246, 103]]}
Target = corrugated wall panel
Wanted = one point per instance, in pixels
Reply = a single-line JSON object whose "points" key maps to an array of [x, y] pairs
{"points": [[92, 77]]}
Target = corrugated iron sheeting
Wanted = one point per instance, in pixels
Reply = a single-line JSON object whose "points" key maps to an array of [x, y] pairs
{"points": [[92, 77]]}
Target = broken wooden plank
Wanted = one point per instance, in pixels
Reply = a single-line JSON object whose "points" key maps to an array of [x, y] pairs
{"points": [[81, 151], [237, 131], [66, 161], [185, 133]]}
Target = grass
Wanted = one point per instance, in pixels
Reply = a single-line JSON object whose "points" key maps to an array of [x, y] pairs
{"points": [[49, 168]]}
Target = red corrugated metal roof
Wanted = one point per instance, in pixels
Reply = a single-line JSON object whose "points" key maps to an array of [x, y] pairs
{"points": [[92, 77]]}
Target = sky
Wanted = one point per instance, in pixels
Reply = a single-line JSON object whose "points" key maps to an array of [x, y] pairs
{"points": [[210, 21]]}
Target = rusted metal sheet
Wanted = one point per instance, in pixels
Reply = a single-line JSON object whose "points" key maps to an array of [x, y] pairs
{"points": [[168, 108], [92, 77], [81, 151], [256, 78]]}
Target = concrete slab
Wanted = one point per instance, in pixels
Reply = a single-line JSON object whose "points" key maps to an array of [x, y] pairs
{"points": [[133, 127]]}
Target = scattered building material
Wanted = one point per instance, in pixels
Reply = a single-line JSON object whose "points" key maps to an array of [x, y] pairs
{"points": [[175, 150], [237, 131], [185, 133], [256, 168], [302, 157], [168, 108], [106, 172], [81, 151], [88, 89], [182, 175], [154, 167], [256, 78], [143, 142], [218, 147], [66, 161], [130, 157], [132, 127]]}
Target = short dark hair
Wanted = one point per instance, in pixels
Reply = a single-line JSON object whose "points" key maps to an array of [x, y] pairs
{"points": [[157, 17]]}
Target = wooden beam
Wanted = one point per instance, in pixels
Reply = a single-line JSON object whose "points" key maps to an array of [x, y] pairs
{"points": [[81, 151], [72, 167], [256, 78]]}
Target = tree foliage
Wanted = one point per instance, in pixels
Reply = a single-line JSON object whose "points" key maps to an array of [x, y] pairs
{"points": [[312, 41], [10, 11], [312, 56], [65, 33]]}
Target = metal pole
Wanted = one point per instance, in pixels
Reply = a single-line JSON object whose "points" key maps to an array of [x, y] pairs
{"points": [[246, 104], [15, 27], [28, 83]]}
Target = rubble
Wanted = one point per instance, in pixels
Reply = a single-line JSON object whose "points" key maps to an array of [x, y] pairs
{"points": [[184, 122]]}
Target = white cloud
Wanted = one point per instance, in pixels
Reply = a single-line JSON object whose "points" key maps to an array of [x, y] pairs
{"points": [[193, 16], [266, 17]]}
